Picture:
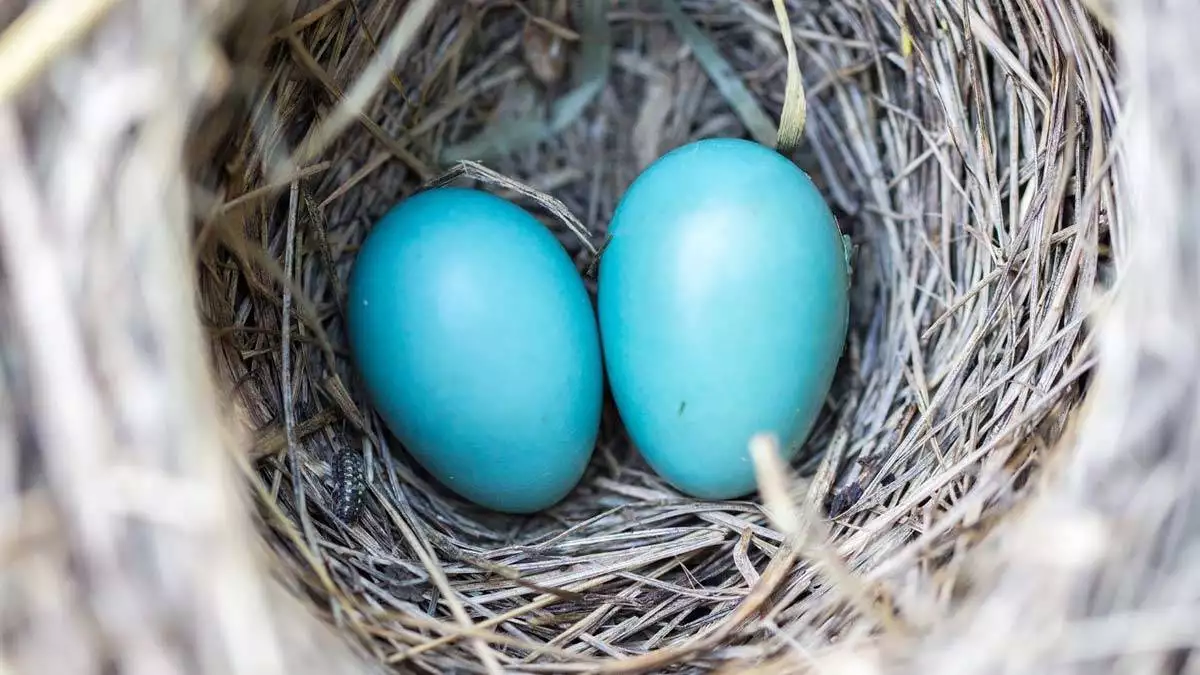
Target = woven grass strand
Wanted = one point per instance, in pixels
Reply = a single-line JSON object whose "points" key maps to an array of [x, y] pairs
{"points": [[723, 76], [39, 34], [795, 106]]}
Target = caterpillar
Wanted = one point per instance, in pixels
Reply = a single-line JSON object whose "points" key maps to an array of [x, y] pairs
{"points": [[349, 485]]}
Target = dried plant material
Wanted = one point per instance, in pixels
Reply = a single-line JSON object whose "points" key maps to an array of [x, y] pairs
{"points": [[476, 171], [773, 486], [591, 76], [723, 76], [795, 104], [150, 562], [274, 439], [544, 47], [970, 151], [652, 119], [356, 99], [1104, 11], [851, 662], [545, 53], [1071, 541], [39, 34], [941, 374]]}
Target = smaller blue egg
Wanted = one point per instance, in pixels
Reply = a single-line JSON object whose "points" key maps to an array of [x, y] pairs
{"points": [[723, 302], [477, 343]]}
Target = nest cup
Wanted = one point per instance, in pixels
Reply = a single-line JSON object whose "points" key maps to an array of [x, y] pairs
{"points": [[966, 148], [956, 171]]}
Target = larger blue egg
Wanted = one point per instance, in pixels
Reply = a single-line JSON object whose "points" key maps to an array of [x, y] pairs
{"points": [[477, 343], [723, 303]]}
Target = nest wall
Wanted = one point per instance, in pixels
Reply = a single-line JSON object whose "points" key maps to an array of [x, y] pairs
{"points": [[186, 184]]}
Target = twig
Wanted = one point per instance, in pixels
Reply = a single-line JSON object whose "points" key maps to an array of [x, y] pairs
{"points": [[355, 100], [285, 375]]}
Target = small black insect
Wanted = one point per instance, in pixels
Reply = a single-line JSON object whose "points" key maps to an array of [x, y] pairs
{"points": [[349, 485]]}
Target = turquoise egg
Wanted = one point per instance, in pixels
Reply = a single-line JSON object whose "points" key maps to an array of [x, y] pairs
{"points": [[477, 343], [723, 304]]}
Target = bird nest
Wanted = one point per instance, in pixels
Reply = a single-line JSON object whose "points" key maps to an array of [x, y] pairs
{"points": [[164, 156]]}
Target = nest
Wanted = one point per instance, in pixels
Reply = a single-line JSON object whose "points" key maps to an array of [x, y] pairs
{"points": [[195, 482]]}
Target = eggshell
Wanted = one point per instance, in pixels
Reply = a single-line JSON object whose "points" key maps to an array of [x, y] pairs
{"points": [[723, 305], [477, 343]]}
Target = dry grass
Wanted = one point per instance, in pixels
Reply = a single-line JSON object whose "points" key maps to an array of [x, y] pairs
{"points": [[968, 147], [959, 173]]}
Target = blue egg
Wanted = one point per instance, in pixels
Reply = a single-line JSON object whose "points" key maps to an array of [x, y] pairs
{"points": [[477, 343], [723, 304]]}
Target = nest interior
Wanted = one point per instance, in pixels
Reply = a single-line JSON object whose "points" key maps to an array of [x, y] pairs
{"points": [[966, 148]]}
